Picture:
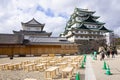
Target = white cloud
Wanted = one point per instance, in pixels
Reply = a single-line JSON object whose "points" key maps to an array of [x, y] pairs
{"points": [[56, 28], [13, 12]]}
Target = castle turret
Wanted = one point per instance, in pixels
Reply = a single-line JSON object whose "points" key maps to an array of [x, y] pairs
{"points": [[33, 29], [83, 27]]}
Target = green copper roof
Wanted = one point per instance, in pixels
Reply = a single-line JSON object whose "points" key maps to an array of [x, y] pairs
{"points": [[90, 19], [65, 32], [104, 29], [95, 17], [97, 23], [74, 15], [84, 10], [86, 18], [82, 27]]}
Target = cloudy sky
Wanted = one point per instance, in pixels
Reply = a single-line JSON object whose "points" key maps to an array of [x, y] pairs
{"points": [[55, 13]]}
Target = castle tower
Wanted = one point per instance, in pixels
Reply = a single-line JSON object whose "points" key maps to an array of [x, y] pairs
{"points": [[33, 29], [84, 29]]}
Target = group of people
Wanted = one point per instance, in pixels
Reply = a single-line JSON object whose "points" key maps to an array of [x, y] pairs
{"points": [[109, 51], [105, 52]]}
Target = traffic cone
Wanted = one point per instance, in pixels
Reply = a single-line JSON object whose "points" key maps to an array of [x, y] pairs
{"points": [[104, 66], [82, 65], [91, 54], [108, 71], [84, 58], [93, 57], [77, 77]]}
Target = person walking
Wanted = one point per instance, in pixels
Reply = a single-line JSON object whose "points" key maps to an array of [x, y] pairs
{"points": [[116, 52], [108, 54], [112, 53], [102, 55]]}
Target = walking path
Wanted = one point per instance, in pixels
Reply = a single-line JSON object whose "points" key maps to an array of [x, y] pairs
{"points": [[94, 69], [89, 74]]}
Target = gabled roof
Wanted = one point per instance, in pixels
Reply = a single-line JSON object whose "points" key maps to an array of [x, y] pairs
{"points": [[32, 32], [49, 40], [82, 27], [90, 19], [84, 10], [104, 29], [33, 23], [93, 17]]}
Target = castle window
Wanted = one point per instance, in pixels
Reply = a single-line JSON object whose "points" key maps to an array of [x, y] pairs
{"points": [[79, 18], [76, 31], [28, 28], [90, 36], [86, 32], [95, 27], [81, 36], [76, 36], [98, 32], [85, 36], [90, 26]]}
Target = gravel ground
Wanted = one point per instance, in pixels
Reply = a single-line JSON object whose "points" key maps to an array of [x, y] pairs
{"points": [[21, 74]]}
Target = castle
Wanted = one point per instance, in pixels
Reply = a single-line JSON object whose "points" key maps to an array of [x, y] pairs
{"points": [[84, 29]]}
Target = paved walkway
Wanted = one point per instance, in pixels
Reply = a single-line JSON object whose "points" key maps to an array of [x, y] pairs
{"points": [[94, 69], [89, 74]]}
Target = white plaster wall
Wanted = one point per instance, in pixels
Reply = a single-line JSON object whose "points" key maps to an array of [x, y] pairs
{"points": [[35, 29], [74, 25], [26, 37], [71, 39], [109, 38], [32, 28], [91, 26]]}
